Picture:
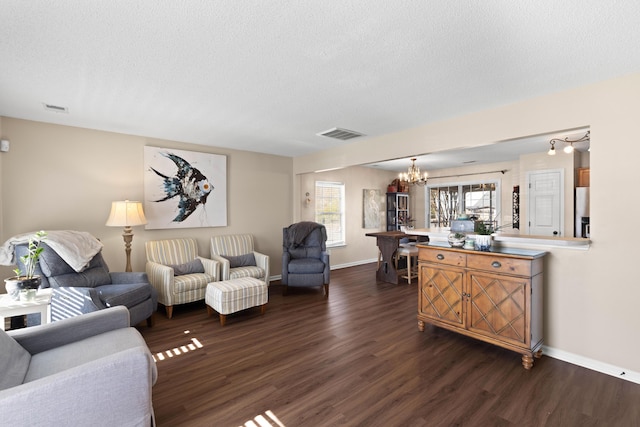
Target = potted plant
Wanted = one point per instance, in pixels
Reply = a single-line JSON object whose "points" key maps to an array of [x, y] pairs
{"points": [[484, 233], [25, 283], [406, 223]]}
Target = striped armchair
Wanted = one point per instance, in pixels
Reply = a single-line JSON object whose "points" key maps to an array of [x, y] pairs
{"points": [[231, 250], [165, 258]]}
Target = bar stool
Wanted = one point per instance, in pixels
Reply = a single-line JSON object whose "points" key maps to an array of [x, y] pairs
{"points": [[410, 251]]}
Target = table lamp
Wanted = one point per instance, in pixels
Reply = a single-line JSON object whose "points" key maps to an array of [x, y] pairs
{"points": [[126, 214]]}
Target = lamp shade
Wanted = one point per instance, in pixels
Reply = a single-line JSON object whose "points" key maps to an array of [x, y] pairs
{"points": [[126, 214]]}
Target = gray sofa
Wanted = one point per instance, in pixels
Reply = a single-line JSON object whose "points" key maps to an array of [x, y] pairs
{"points": [[94, 288], [91, 370]]}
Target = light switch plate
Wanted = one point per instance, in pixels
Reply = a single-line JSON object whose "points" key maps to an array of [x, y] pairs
{"points": [[4, 145]]}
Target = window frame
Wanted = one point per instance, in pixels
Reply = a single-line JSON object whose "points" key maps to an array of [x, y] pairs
{"points": [[341, 223], [460, 199]]}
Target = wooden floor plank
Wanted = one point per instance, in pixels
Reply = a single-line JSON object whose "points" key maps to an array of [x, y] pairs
{"points": [[358, 359]]}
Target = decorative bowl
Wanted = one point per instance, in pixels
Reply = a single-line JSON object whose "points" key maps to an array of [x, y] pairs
{"points": [[456, 240]]}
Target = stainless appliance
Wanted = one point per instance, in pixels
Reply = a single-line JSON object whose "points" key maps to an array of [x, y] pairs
{"points": [[582, 226]]}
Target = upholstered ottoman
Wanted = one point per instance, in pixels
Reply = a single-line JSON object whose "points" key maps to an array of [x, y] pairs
{"points": [[231, 296]]}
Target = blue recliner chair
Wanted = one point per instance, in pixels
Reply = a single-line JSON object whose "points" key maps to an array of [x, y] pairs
{"points": [[92, 289], [305, 260]]}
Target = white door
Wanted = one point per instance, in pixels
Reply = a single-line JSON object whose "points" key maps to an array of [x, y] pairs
{"points": [[546, 202]]}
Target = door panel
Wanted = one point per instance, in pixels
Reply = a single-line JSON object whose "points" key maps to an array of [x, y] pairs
{"points": [[498, 307], [546, 203], [441, 294]]}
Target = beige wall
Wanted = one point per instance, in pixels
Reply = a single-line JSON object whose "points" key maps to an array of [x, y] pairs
{"points": [[60, 177], [1, 191], [358, 246], [590, 296]]}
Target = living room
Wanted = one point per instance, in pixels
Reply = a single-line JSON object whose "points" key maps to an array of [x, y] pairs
{"points": [[59, 176]]}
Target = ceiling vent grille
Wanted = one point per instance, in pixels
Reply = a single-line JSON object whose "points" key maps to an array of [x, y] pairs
{"points": [[55, 108], [342, 134]]}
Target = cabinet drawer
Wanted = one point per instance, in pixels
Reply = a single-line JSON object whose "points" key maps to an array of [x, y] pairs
{"points": [[499, 264], [443, 257]]}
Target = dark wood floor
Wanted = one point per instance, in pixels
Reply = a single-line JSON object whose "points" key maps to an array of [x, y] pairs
{"points": [[358, 359]]}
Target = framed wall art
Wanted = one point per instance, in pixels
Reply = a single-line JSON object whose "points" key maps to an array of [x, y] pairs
{"points": [[184, 189], [371, 208]]}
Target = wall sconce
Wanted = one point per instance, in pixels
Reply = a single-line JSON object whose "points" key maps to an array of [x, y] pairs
{"points": [[307, 200]]}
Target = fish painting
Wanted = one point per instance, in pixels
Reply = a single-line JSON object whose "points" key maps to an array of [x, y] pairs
{"points": [[188, 184]]}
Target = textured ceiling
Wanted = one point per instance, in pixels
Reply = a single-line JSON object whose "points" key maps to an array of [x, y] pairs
{"points": [[267, 76]]}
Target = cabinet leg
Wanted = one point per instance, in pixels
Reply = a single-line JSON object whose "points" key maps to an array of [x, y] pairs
{"points": [[420, 325], [527, 361], [538, 354]]}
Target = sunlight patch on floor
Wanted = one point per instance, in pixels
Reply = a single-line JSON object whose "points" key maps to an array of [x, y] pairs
{"points": [[262, 421], [177, 351]]}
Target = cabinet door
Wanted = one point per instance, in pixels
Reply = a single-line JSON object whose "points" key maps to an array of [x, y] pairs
{"points": [[441, 294], [498, 307]]}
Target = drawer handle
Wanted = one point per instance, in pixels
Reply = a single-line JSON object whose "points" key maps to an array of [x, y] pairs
{"points": [[440, 257], [496, 264]]}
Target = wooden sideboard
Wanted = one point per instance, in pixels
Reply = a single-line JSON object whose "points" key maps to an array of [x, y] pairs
{"points": [[491, 296]]}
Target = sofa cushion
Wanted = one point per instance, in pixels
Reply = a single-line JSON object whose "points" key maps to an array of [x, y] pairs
{"points": [[191, 283], [60, 274], [90, 278], [127, 295], [306, 266], [305, 252], [190, 267], [14, 362], [241, 260], [79, 352], [247, 271]]}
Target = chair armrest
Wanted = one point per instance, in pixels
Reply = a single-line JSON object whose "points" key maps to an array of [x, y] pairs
{"points": [[45, 337], [160, 276], [125, 278], [286, 258], [325, 258], [71, 301], [224, 266], [111, 391], [262, 261], [211, 267]]}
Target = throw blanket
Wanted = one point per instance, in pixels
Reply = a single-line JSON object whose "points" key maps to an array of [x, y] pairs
{"points": [[76, 248], [297, 233]]}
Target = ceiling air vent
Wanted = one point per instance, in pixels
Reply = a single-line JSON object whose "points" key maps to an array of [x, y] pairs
{"points": [[339, 133], [55, 108]]}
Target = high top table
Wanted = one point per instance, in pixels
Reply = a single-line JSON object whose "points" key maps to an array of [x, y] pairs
{"points": [[388, 243]]}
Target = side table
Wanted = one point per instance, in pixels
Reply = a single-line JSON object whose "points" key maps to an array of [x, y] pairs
{"points": [[11, 308]]}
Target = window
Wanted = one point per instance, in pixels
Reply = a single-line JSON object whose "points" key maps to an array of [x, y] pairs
{"points": [[478, 200], [330, 210]]}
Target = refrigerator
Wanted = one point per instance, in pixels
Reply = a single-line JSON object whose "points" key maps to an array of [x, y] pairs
{"points": [[582, 226]]}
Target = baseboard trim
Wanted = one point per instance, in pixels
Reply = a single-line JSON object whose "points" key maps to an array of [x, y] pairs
{"points": [[333, 267], [594, 365], [353, 264]]}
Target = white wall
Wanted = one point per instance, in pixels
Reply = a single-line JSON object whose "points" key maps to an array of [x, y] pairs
{"points": [[590, 296]]}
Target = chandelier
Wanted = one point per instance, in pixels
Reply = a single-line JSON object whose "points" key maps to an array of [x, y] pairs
{"points": [[569, 143], [413, 175]]}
